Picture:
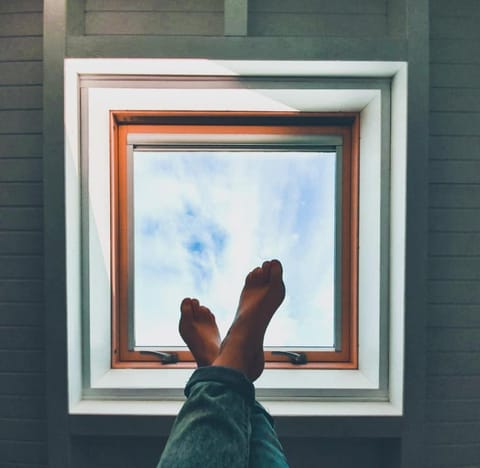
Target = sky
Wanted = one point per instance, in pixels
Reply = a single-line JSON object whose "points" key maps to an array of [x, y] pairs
{"points": [[203, 220]]}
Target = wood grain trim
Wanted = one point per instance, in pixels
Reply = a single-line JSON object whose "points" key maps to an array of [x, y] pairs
{"points": [[347, 125]]}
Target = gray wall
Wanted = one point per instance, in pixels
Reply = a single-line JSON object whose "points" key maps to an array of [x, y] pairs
{"points": [[453, 325], [453, 345], [22, 377]]}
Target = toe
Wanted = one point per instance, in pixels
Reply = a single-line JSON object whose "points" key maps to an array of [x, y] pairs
{"points": [[186, 309], [256, 276], [276, 270], [205, 313], [195, 307], [266, 267]]}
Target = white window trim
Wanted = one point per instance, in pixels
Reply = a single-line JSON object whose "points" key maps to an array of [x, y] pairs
{"points": [[94, 388]]}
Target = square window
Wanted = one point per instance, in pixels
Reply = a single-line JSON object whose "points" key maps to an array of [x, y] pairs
{"points": [[102, 97], [198, 199]]}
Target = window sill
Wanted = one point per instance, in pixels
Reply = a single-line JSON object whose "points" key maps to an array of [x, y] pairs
{"points": [[277, 408]]}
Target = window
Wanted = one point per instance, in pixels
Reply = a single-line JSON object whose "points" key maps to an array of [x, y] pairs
{"points": [[150, 93], [200, 197]]}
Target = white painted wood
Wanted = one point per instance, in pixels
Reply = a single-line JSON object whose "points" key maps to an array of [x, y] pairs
{"points": [[236, 99]]}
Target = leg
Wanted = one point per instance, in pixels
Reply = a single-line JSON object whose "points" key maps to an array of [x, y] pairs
{"points": [[265, 448], [213, 427], [200, 333]]}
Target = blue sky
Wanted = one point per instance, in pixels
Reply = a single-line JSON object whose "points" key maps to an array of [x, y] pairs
{"points": [[203, 220]]}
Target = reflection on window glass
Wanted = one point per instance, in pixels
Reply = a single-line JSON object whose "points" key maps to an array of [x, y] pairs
{"points": [[203, 220]]}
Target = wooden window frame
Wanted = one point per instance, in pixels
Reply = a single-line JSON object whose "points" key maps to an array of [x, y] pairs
{"points": [[346, 125]]}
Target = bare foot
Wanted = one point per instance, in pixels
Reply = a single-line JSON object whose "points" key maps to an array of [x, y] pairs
{"points": [[199, 331], [242, 349]]}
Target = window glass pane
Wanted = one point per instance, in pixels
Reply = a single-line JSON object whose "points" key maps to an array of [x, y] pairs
{"points": [[203, 219]]}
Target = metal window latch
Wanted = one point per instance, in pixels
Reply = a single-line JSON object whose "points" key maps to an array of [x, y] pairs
{"points": [[295, 358], [165, 358]]}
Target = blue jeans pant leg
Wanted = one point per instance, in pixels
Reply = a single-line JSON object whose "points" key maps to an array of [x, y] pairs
{"points": [[213, 427], [265, 448]]}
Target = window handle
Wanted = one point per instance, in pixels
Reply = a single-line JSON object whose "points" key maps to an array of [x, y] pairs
{"points": [[166, 358], [295, 358]]}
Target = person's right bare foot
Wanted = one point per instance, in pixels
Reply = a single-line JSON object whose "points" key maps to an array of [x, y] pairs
{"points": [[242, 349], [199, 330]]}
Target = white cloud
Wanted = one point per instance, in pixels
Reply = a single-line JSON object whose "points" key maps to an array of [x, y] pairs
{"points": [[203, 220]]}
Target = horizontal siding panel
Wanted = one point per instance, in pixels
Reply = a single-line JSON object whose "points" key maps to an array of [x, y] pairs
{"points": [[454, 51], [454, 196], [21, 338], [455, 75], [466, 172], [22, 465], [21, 194], [452, 363], [21, 24], [21, 218], [455, 410], [453, 433], [14, 430], [21, 73], [22, 361], [454, 147], [29, 146], [456, 8], [453, 388], [455, 244], [465, 27], [21, 48], [21, 97], [22, 385], [454, 456], [21, 121], [455, 99], [454, 123], [453, 219], [291, 24], [154, 5], [21, 6], [20, 170], [152, 23], [34, 453], [453, 268], [453, 315], [19, 290], [378, 7], [463, 340], [16, 267], [454, 292], [24, 243], [25, 314], [22, 407]]}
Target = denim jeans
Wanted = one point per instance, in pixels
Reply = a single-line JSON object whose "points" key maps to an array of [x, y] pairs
{"points": [[222, 426]]}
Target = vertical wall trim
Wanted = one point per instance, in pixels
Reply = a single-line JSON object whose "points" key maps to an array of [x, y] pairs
{"points": [[54, 40], [413, 447], [236, 17]]}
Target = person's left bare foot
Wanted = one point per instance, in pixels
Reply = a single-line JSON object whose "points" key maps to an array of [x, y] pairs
{"points": [[199, 330]]}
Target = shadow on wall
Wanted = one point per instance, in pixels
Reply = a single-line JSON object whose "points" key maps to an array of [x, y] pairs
{"points": [[126, 452]]}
